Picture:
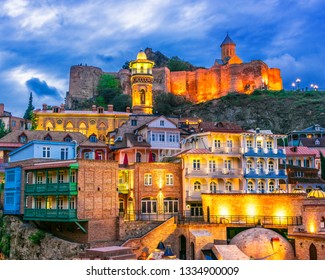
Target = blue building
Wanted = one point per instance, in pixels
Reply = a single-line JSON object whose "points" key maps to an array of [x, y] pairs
{"points": [[261, 162], [37, 150]]}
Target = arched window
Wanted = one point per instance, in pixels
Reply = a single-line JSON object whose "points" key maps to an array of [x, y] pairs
{"points": [[260, 165], [271, 186], [49, 126], [83, 128], [23, 138], [271, 166], [197, 186], [261, 187], [142, 97], [138, 157], [213, 187], [69, 127], [249, 165], [250, 186], [93, 138]]}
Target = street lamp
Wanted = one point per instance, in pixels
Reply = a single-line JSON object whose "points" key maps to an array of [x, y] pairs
{"points": [[293, 86], [298, 82], [315, 87]]}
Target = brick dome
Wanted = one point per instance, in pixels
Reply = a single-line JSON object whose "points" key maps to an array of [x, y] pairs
{"points": [[263, 244]]}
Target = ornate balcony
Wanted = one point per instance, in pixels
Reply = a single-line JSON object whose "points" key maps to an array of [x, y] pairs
{"points": [[53, 188], [264, 152], [50, 214], [265, 173]]}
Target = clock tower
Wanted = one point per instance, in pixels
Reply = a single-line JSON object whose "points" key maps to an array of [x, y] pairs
{"points": [[141, 83]]}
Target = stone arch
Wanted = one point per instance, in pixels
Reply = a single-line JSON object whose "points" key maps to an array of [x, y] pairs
{"points": [[142, 96], [182, 247], [312, 252], [83, 128], [69, 126]]}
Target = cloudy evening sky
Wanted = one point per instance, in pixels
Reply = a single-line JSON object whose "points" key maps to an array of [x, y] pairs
{"points": [[42, 39]]}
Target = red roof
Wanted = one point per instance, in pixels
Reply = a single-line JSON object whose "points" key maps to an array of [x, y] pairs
{"points": [[299, 151]]}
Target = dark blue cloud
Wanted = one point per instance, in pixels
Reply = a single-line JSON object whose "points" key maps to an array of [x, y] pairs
{"points": [[41, 88], [105, 58]]}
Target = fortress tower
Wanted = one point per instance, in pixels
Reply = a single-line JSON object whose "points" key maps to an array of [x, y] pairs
{"points": [[228, 51], [141, 84]]}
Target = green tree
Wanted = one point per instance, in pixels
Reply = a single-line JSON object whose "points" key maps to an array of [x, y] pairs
{"points": [[176, 64], [122, 101], [3, 130], [107, 89], [30, 108], [166, 103]]}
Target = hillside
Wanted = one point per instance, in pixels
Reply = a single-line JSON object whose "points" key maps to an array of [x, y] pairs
{"points": [[281, 111]]}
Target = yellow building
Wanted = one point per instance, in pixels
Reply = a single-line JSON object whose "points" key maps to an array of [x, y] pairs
{"points": [[141, 82], [96, 122]]}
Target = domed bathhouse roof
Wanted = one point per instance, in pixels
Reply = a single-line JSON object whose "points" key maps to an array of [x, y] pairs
{"points": [[263, 244], [316, 194], [298, 190], [279, 191]]}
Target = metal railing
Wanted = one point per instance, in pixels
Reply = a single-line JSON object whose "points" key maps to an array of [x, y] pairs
{"points": [[241, 220], [139, 216]]}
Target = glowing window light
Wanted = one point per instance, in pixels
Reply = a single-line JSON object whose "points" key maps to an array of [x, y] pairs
{"points": [[224, 211], [251, 210], [312, 228]]}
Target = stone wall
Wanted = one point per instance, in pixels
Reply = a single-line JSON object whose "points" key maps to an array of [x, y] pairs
{"points": [[198, 86]]}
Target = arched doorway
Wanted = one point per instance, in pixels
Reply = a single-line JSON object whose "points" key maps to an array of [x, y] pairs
{"points": [[182, 246], [192, 251], [312, 252]]}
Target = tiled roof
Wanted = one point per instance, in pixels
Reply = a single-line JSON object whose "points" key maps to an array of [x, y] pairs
{"points": [[227, 40], [299, 151], [87, 143], [220, 127], [194, 151]]}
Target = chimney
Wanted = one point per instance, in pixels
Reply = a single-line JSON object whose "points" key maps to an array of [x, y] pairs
{"points": [[128, 110], [2, 109], [110, 108], [62, 107], [44, 107], [93, 108]]}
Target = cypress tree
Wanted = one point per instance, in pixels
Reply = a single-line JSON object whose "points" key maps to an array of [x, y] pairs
{"points": [[30, 108]]}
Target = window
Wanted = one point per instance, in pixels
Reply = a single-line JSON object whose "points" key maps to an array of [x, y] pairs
{"points": [[13, 123], [212, 166], [89, 155], [153, 137], [213, 187], [271, 186], [250, 186], [73, 176], [169, 179], [147, 179], [143, 97], [161, 137], [261, 187], [162, 123], [249, 144], [138, 157], [48, 138], [298, 161], [290, 161], [83, 128], [249, 165], [229, 145], [228, 186], [61, 177], [67, 139], [271, 166], [93, 138], [60, 203], [49, 177], [173, 137], [10, 176], [269, 145], [196, 164], [23, 139], [46, 152], [64, 153], [38, 203], [227, 164], [260, 165], [72, 204], [170, 205], [39, 178], [197, 186], [69, 127], [134, 122], [259, 144], [148, 206], [217, 143]]}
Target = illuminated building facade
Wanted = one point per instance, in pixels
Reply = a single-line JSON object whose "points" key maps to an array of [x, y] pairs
{"points": [[141, 84]]}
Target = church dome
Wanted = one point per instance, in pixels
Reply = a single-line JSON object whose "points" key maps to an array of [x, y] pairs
{"points": [[263, 244], [316, 194], [142, 55]]}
